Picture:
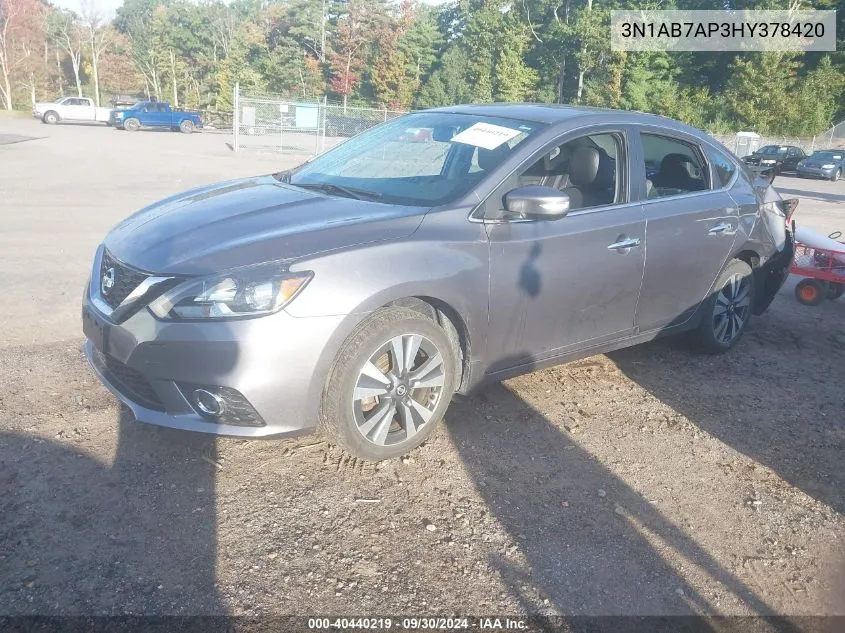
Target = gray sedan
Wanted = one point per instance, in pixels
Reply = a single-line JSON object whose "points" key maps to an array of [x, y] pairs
{"points": [[361, 290], [828, 164]]}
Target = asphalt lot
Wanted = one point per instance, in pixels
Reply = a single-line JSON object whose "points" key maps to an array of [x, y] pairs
{"points": [[650, 481]]}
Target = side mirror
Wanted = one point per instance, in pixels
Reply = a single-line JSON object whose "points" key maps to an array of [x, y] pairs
{"points": [[535, 202]]}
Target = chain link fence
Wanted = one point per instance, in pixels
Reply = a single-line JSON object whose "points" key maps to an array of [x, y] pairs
{"points": [[743, 143], [304, 128]]}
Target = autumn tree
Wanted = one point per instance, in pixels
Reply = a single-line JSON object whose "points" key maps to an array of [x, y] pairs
{"points": [[66, 32], [21, 33], [99, 37]]}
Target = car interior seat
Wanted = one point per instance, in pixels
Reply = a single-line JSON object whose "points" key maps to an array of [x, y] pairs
{"points": [[551, 171], [592, 176], [489, 159], [674, 174]]}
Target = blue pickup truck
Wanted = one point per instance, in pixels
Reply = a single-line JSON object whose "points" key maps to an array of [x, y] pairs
{"points": [[155, 114]]}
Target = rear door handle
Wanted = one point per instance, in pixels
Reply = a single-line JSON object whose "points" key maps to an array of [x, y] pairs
{"points": [[720, 228], [622, 245]]}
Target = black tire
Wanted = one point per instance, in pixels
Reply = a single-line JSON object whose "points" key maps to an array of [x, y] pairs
{"points": [[836, 175], [132, 124], [811, 292], [186, 126], [726, 307], [342, 417], [51, 118], [835, 290]]}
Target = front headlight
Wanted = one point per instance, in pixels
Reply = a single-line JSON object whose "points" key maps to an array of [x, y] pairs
{"points": [[247, 292], [767, 162], [828, 166]]}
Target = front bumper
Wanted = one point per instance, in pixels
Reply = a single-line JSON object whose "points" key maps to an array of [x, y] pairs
{"points": [[816, 172], [278, 363]]}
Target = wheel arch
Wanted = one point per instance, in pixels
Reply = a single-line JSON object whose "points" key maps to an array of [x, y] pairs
{"points": [[450, 319], [442, 312]]}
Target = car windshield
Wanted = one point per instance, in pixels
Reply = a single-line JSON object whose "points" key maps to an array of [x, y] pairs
{"points": [[828, 155], [773, 149], [421, 159]]}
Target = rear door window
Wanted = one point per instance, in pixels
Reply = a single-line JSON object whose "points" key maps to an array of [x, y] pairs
{"points": [[673, 167]]}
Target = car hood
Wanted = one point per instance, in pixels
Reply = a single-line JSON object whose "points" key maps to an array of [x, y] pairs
{"points": [[250, 221]]}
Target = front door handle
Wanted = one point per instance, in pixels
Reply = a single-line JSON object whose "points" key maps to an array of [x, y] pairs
{"points": [[720, 228], [624, 244]]}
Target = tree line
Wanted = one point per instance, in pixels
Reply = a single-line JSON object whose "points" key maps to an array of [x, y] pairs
{"points": [[410, 55]]}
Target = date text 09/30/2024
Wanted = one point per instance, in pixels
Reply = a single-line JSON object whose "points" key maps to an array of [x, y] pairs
{"points": [[418, 624]]}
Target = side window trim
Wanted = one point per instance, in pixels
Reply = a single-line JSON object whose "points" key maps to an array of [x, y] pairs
{"points": [[724, 153], [687, 139], [624, 130]]}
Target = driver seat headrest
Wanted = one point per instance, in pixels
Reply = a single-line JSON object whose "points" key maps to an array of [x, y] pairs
{"points": [[584, 166]]}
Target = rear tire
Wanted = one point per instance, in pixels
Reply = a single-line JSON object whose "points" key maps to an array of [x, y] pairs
{"points": [[727, 311], [186, 127], [810, 292], [51, 118], [836, 175], [371, 406], [132, 125]]}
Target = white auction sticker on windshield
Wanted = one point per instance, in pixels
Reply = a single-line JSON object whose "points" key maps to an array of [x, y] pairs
{"points": [[485, 135]]}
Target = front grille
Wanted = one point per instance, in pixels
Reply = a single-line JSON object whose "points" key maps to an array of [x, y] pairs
{"points": [[123, 280], [129, 382]]}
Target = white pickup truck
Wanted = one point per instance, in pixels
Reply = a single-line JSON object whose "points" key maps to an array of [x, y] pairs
{"points": [[71, 109]]}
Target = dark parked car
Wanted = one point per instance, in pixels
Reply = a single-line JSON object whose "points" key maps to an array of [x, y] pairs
{"points": [[434, 253], [826, 163], [779, 157]]}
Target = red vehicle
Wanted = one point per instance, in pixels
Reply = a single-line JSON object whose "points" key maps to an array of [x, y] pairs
{"points": [[823, 270]]}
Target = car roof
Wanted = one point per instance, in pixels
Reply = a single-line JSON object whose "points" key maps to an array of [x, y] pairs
{"points": [[553, 113], [546, 112]]}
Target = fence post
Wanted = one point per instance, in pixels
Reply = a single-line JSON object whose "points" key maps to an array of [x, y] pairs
{"points": [[321, 132], [236, 116], [385, 113]]}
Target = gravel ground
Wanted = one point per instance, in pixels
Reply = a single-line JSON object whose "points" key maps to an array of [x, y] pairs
{"points": [[649, 481]]}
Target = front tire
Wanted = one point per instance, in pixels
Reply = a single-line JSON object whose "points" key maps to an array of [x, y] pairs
{"points": [[390, 384], [51, 118], [836, 175], [727, 310], [186, 127], [132, 125]]}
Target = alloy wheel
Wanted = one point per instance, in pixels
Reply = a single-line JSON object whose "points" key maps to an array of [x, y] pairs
{"points": [[398, 389], [733, 306]]}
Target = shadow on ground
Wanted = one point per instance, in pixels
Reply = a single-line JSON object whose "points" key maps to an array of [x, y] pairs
{"points": [[580, 527], [158, 551]]}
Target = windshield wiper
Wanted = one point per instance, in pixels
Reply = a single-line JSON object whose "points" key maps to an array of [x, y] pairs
{"points": [[349, 192]]}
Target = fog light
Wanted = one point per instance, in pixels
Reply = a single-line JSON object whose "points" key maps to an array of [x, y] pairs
{"points": [[208, 403], [221, 405]]}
